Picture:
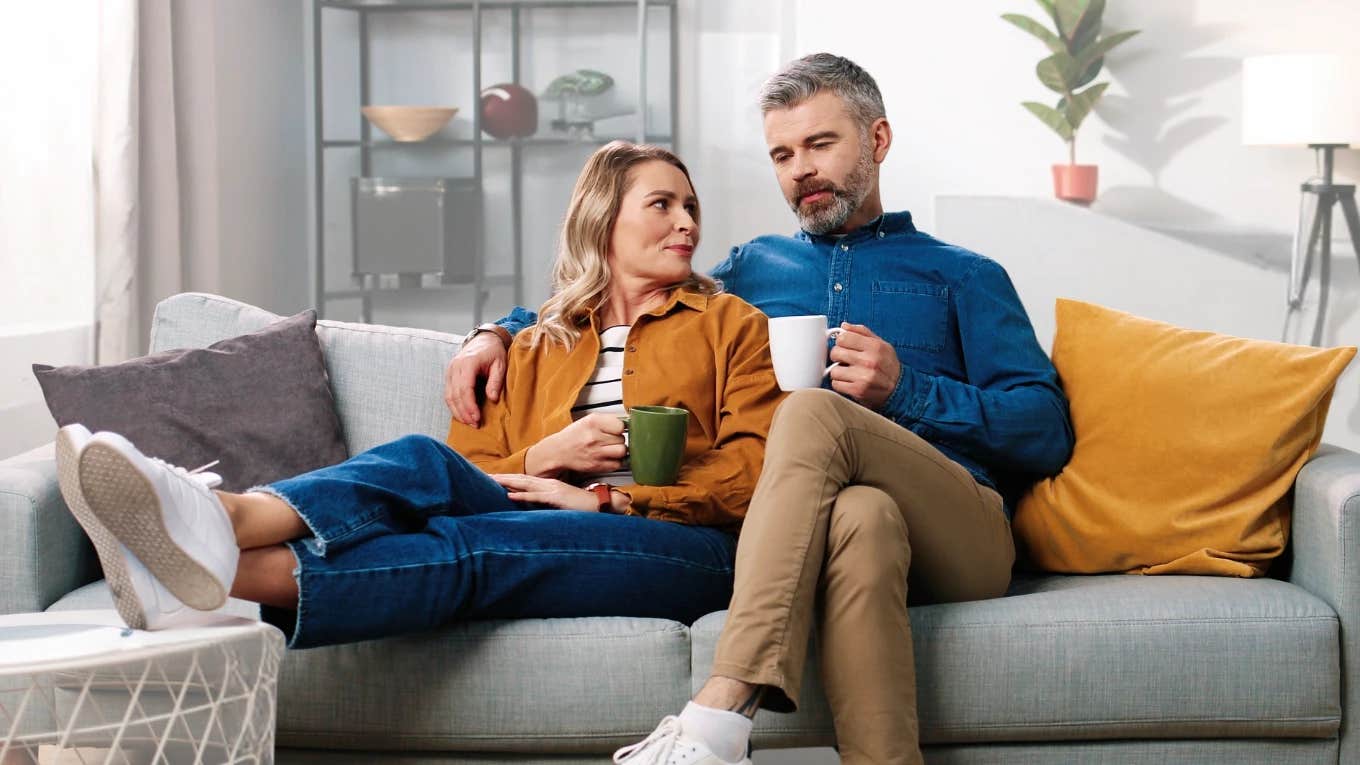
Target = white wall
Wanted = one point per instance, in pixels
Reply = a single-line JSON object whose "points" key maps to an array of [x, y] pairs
{"points": [[1167, 136], [46, 224]]}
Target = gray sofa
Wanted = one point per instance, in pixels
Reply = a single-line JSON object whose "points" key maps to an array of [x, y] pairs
{"points": [[1110, 669]]}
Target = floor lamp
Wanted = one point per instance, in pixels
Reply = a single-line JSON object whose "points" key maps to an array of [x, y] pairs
{"points": [[1308, 100]]}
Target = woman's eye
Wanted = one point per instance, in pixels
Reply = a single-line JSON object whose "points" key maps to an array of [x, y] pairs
{"points": [[660, 204]]}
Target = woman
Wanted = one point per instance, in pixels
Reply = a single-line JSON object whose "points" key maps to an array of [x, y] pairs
{"points": [[413, 534]]}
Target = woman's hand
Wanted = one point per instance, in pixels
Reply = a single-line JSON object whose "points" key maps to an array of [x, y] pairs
{"points": [[592, 444], [547, 492]]}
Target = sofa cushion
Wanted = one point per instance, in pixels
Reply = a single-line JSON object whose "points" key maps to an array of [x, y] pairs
{"points": [[1187, 444], [562, 685], [1106, 657], [258, 403], [387, 381]]}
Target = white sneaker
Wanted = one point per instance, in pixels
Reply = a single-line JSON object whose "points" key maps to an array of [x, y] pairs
{"points": [[668, 745], [140, 600], [170, 520]]}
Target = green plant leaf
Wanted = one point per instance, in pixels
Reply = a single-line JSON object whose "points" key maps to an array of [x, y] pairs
{"points": [[1085, 76], [1097, 50], [1051, 117], [1040, 31], [1088, 29], [1049, 9], [1058, 72], [1068, 14], [1079, 106]]}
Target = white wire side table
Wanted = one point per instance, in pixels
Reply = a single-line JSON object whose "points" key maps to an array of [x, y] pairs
{"points": [[79, 688]]}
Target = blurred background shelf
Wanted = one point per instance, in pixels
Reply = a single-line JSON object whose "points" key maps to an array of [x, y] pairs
{"points": [[392, 52]]}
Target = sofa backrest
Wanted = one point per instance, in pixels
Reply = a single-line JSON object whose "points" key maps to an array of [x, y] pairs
{"points": [[387, 381]]}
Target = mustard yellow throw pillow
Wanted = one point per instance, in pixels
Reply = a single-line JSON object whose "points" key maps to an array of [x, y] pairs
{"points": [[1187, 444]]}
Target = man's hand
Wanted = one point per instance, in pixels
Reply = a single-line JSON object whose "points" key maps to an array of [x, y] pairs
{"points": [[592, 444], [547, 492], [483, 356], [867, 367]]}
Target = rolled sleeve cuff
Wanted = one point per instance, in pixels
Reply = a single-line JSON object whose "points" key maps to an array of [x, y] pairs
{"points": [[907, 401], [512, 464]]}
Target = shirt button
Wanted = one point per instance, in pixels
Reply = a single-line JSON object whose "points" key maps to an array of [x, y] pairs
{"points": [[628, 371], [881, 235], [837, 287], [632, 349], [845, 248]]}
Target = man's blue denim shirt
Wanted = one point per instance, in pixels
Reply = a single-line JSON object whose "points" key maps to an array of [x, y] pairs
{"points": [[975, 383]]}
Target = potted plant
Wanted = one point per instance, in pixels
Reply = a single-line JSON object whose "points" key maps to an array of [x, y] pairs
{"points": [[1077, 55]]}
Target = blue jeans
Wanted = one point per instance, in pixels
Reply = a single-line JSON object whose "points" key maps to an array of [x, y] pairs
{"points": [[410, 535]]}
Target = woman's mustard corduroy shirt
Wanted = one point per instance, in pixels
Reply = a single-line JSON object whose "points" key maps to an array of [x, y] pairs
{"points": [[706, 353]]}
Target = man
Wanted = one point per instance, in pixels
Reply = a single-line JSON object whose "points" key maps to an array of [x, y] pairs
{"points": [[947, 404]]}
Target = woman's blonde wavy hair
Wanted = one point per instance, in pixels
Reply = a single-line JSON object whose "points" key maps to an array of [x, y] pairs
{"points": [[581, 276]]}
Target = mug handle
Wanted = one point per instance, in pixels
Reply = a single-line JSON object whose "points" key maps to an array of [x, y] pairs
{"points": [[627, 421], [832, 334]]}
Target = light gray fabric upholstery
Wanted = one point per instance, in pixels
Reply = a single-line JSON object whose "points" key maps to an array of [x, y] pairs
{"points": [[1238, 671], [1194, 752], [560, 685], [1326, 561], [565, 685], [1108, 657], [387, 381], [43, 552]]}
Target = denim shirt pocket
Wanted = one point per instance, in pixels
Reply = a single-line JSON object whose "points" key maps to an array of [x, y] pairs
{"points": [[911, 314]]}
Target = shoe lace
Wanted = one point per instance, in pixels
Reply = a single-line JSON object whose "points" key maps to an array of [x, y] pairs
{"points": [[207, 480], [665, 734]]}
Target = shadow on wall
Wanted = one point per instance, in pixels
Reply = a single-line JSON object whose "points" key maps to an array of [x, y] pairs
{"points": [[1156, 121]]}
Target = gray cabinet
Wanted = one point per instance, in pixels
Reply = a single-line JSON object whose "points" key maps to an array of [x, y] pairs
{"points": [[449, 213]]}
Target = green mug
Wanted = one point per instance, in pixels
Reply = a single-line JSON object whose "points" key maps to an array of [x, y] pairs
{"points": [[656, 443]]}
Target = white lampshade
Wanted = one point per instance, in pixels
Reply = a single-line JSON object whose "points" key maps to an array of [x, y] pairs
{"points": [[1301, 99]]}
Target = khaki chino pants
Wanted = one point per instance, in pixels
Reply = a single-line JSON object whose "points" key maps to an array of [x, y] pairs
{"points": [[849, 509]]}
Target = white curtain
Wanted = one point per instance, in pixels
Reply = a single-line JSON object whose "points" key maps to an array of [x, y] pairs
{"points": [[136, 169]]}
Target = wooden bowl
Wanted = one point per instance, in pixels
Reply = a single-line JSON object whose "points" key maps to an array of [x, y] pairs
{"points": [[409, 123]]}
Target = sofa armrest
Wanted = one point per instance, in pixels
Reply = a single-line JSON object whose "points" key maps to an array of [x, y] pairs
{"points": [[44, 553], [1326, 540]]}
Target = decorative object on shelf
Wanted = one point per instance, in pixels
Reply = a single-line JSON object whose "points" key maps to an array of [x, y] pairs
{"points": [[1307, 100], [509, 111], [409, 123], [575, 93], [1078, 54], [415, 226]]}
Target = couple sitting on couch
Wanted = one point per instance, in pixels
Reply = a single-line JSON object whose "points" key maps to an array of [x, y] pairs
{"points": [[954, 404]]}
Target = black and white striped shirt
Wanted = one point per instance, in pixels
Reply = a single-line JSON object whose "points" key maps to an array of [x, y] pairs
{"points": [[603, 392]]}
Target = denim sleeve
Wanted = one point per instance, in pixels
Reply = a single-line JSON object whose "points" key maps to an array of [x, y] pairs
{"points": [[726, 272], [1011, 413], [519, 318]]}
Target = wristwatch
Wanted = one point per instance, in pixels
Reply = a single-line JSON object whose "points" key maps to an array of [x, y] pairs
{"points": [[603, 494], [479, 329]]}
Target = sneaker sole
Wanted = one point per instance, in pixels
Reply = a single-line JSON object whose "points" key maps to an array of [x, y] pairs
{"points": [[125, 599], [126, 502]]}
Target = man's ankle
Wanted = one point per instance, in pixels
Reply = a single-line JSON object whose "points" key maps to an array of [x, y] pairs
{"points": [[731, 694]]}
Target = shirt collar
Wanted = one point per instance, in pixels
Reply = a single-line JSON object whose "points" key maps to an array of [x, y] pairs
{"points": [[679, 296], [883, 225]]}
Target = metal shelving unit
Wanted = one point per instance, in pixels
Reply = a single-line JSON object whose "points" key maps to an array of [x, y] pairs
{"points": [[367, 144]]}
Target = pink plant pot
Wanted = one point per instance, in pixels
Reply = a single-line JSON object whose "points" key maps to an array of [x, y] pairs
{"points": [[1076, 183]]}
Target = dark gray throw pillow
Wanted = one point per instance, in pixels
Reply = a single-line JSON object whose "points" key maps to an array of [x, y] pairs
{"points": [[260, 403]]}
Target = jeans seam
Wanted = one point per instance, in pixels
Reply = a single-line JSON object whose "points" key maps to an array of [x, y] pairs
{"points": [[475, 553]]}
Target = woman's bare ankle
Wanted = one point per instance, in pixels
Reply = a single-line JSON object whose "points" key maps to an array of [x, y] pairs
{"points": [[730, 694]]}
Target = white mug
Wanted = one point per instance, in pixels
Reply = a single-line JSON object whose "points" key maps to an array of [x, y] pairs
{"points": [[798, 347]]}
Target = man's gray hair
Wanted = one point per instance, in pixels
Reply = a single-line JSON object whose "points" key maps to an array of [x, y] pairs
{"points": [[810, 75]]}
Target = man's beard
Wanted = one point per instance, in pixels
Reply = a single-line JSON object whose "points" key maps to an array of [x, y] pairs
{"points": [[831, 214]]}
